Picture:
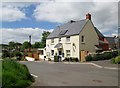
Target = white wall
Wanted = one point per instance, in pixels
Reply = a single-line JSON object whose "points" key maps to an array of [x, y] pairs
{"points": [[66, 46]]}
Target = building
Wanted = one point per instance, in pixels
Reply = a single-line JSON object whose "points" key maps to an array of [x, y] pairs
{"points": [[75, 39], [112, 44]]}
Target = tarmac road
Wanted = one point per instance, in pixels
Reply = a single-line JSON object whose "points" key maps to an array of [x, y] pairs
{"points": [[61, 74]]}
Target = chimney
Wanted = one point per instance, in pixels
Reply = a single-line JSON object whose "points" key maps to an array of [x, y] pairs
{"points": [[88, 16]]}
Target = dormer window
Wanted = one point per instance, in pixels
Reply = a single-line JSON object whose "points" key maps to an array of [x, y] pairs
{"points": [[62, 32]]}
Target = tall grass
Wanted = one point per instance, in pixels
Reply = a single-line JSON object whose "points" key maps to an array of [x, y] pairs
{"points": [[15, 75], [0, 74]]}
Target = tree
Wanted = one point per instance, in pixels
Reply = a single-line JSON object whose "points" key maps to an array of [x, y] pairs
{"points": [[26, 45], [44, 36], [38, 45], [11, 45]]}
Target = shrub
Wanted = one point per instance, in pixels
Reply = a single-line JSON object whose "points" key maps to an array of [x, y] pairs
{"points": [[71, 59], [56, 58], [116, 60], [114, 53], [15, 75], [107, 55], [49, 59], [104, 56], [89, 58]]}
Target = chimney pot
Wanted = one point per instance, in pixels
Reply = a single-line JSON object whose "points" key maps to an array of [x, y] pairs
{"points": [[88, 16]]}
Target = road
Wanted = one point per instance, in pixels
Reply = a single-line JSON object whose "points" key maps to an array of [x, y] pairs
{"points": [[60, 74]]}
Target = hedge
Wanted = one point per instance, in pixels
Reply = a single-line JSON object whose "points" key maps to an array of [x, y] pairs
{"points": [[104, 56], [71, 59]]}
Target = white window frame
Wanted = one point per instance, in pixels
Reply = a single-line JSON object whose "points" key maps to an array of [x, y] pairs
{"points": [[52, 41], [59, 39], [68, 39], [52, 52], [68, 53]]}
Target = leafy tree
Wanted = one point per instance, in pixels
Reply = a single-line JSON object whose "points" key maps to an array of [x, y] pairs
{"points": [[44, 36], [26, 45], [11, 45], [37, 45], [5, 54]]}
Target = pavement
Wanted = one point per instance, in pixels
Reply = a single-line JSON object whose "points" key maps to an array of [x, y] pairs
{"points": [[71, 74]]}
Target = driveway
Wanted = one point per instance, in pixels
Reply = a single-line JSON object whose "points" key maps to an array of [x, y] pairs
{"points": [[61, 74]]}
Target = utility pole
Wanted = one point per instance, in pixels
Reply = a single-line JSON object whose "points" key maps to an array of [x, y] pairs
{"points": [[30, 42]]}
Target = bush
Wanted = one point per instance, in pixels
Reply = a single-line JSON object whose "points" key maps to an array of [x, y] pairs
{"points": [[114, 53], [5, 54], [104, 56], [71, 59], [89, 58], [15, 75], [107, 55], [56, 58], [116, 60], [49, 59]]}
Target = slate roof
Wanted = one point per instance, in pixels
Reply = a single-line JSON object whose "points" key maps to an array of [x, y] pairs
{"points": [[98, 32], [111, 40], [72, 27]]}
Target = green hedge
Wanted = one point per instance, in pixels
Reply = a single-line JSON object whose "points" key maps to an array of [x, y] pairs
{"points": [[56, 58], [71, 59], [15, 75], [104, 56], [116, 60]]}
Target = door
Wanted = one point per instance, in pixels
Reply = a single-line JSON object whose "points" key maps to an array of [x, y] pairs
{"points": [[82, 55], [59, 52]]}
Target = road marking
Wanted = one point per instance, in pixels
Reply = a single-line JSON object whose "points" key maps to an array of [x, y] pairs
{"points": [[34, 75], [111, 68], [96, 65]]}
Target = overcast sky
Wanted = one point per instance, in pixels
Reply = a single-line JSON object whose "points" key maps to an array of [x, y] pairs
{"points": [[19, 20]]}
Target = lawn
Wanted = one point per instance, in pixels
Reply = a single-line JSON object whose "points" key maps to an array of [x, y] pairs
{"points": [[15, 75]]}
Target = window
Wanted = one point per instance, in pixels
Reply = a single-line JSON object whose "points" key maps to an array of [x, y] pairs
{"points": [[68, 39], [52, 40], [52, 52], [67, 53], [41, 52], [83, 39], [59, 39]]}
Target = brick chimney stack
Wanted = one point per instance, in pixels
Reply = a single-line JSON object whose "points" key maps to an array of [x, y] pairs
{"points": [[88, 16]]}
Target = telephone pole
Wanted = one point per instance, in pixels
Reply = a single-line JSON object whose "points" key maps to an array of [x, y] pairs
{"points": [[30, 42]]}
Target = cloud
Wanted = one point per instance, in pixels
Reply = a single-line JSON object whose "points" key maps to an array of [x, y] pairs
{"points": [[21, 34], [13, 11], [61, 12], [104, 14]]}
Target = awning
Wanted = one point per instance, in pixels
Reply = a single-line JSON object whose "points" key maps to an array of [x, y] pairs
{"points": [[59, 45]]}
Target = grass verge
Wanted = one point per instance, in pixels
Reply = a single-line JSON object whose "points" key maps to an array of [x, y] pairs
{"points": [[15, 75]]}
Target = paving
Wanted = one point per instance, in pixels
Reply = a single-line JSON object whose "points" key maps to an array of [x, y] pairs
{"points": [[60, 74]]}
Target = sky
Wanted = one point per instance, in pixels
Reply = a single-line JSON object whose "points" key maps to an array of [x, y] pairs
{"points": [[21, 19]]}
